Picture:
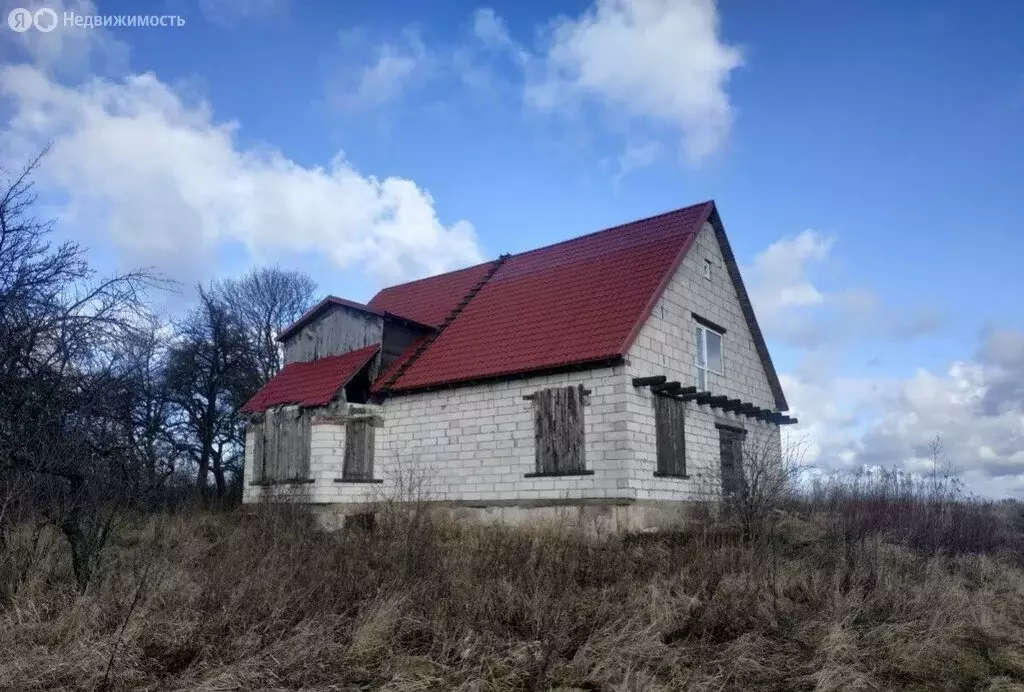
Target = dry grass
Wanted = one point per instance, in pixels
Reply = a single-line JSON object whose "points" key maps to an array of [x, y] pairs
{"points": [[261, 599]]}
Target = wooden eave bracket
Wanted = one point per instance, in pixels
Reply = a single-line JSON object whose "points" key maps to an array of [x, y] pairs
{"points": [[660, 385]]}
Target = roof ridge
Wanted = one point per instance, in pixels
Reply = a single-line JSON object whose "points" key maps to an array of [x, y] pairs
{"points": [[612, 228], [555, 244], [456, 311]]}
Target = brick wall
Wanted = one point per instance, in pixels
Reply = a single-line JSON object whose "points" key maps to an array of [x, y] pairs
{"points": [[666, 345], [472, 444]]}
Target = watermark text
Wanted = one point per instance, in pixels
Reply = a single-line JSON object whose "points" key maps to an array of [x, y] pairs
{"points": [[46, 20]]}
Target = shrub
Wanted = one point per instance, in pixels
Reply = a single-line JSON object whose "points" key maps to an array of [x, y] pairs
{"points": [[822, 596]]}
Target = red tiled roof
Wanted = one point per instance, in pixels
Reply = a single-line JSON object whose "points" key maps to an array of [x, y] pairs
{"points": [[575, 302], [310, 384], [429, 300]]}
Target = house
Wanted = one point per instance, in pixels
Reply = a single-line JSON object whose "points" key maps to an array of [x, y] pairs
{"points": [[615, 375]]}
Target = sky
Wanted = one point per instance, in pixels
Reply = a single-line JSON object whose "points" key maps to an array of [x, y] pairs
{"points": [[866, 159]]}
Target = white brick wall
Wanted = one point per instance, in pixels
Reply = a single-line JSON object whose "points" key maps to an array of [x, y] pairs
{"points": [[476, 443], [666, 345], [473, 444]]}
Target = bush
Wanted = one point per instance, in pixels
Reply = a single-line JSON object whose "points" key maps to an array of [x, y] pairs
{"points": [[822, 596]]}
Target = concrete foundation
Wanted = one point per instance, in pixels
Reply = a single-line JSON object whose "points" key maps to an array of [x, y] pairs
{"points": [[600, 517]]}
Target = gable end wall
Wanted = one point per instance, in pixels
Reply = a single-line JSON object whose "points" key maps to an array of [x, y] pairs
{"points": [[666, 345], [337, 331]]}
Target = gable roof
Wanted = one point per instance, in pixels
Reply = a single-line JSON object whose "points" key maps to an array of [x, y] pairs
{"points": [[572, 303], [318, 309], [577, 303], [431, 300], [310, 384]]}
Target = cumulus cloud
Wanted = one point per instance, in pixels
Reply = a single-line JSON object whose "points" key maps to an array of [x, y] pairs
{"points": [[659, 60], [67, 50], [779, 275], [793, 306], [658, 67], [849, 421], [891, 423], [170, 186]]}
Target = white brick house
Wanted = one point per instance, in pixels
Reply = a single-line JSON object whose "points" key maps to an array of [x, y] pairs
{"points": [[612, 375]]}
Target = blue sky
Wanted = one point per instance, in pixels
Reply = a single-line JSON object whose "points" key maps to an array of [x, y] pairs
{"points": [[866, 159]]}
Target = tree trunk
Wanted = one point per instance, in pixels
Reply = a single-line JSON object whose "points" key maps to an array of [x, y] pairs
{"points": [[218, 477], [204, 470]]}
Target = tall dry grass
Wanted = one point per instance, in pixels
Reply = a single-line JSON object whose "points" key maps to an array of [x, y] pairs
{"points": [[839, 591]]}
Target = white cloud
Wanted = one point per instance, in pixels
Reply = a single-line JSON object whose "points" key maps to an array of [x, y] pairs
{"points": [[779, 275], [395, 67], [67, 50], [661, 60], [848, 421], [491, 30], [170, 186], [792, 306], [890, 423], [635, 157]]}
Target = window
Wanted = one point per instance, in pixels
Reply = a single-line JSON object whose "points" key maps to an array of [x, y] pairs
{"points": [[281, 446], [730, 444], [558, 431], [670, 433], [710, 358], [707, 269], [359, 443]]}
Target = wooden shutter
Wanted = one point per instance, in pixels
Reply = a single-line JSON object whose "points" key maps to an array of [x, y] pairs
{"points": [[359, 444], [258, 472], [669, 423], [558, 428], [285, 446], [730, 443], [271, 446]]}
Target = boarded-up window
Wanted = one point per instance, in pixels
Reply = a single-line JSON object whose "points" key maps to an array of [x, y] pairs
{"points": [[359, 442], [558, 427], [281, 446], [671, 440], [730, 443]]}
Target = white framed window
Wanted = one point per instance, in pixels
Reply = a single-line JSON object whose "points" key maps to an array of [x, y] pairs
{"points": [[710, 355], [707, 269]]}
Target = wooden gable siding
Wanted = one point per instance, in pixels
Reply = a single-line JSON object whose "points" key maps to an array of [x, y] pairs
{"points": [[338, 330]]}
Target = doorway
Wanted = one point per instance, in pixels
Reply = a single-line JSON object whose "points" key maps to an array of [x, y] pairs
{"points": [[730, 442]]}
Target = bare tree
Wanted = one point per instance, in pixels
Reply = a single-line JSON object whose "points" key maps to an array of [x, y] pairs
{"points": [[211, 371], [146, 412], [63, 373], [265, 301]]}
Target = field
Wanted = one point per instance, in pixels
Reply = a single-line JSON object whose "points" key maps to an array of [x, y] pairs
{"points": [[837, 592]]}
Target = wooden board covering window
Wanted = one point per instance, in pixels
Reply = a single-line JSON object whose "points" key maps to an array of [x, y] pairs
{"points": [[359, 444], [669, 423], [730, 444], [281, 448], [558, 426]]}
